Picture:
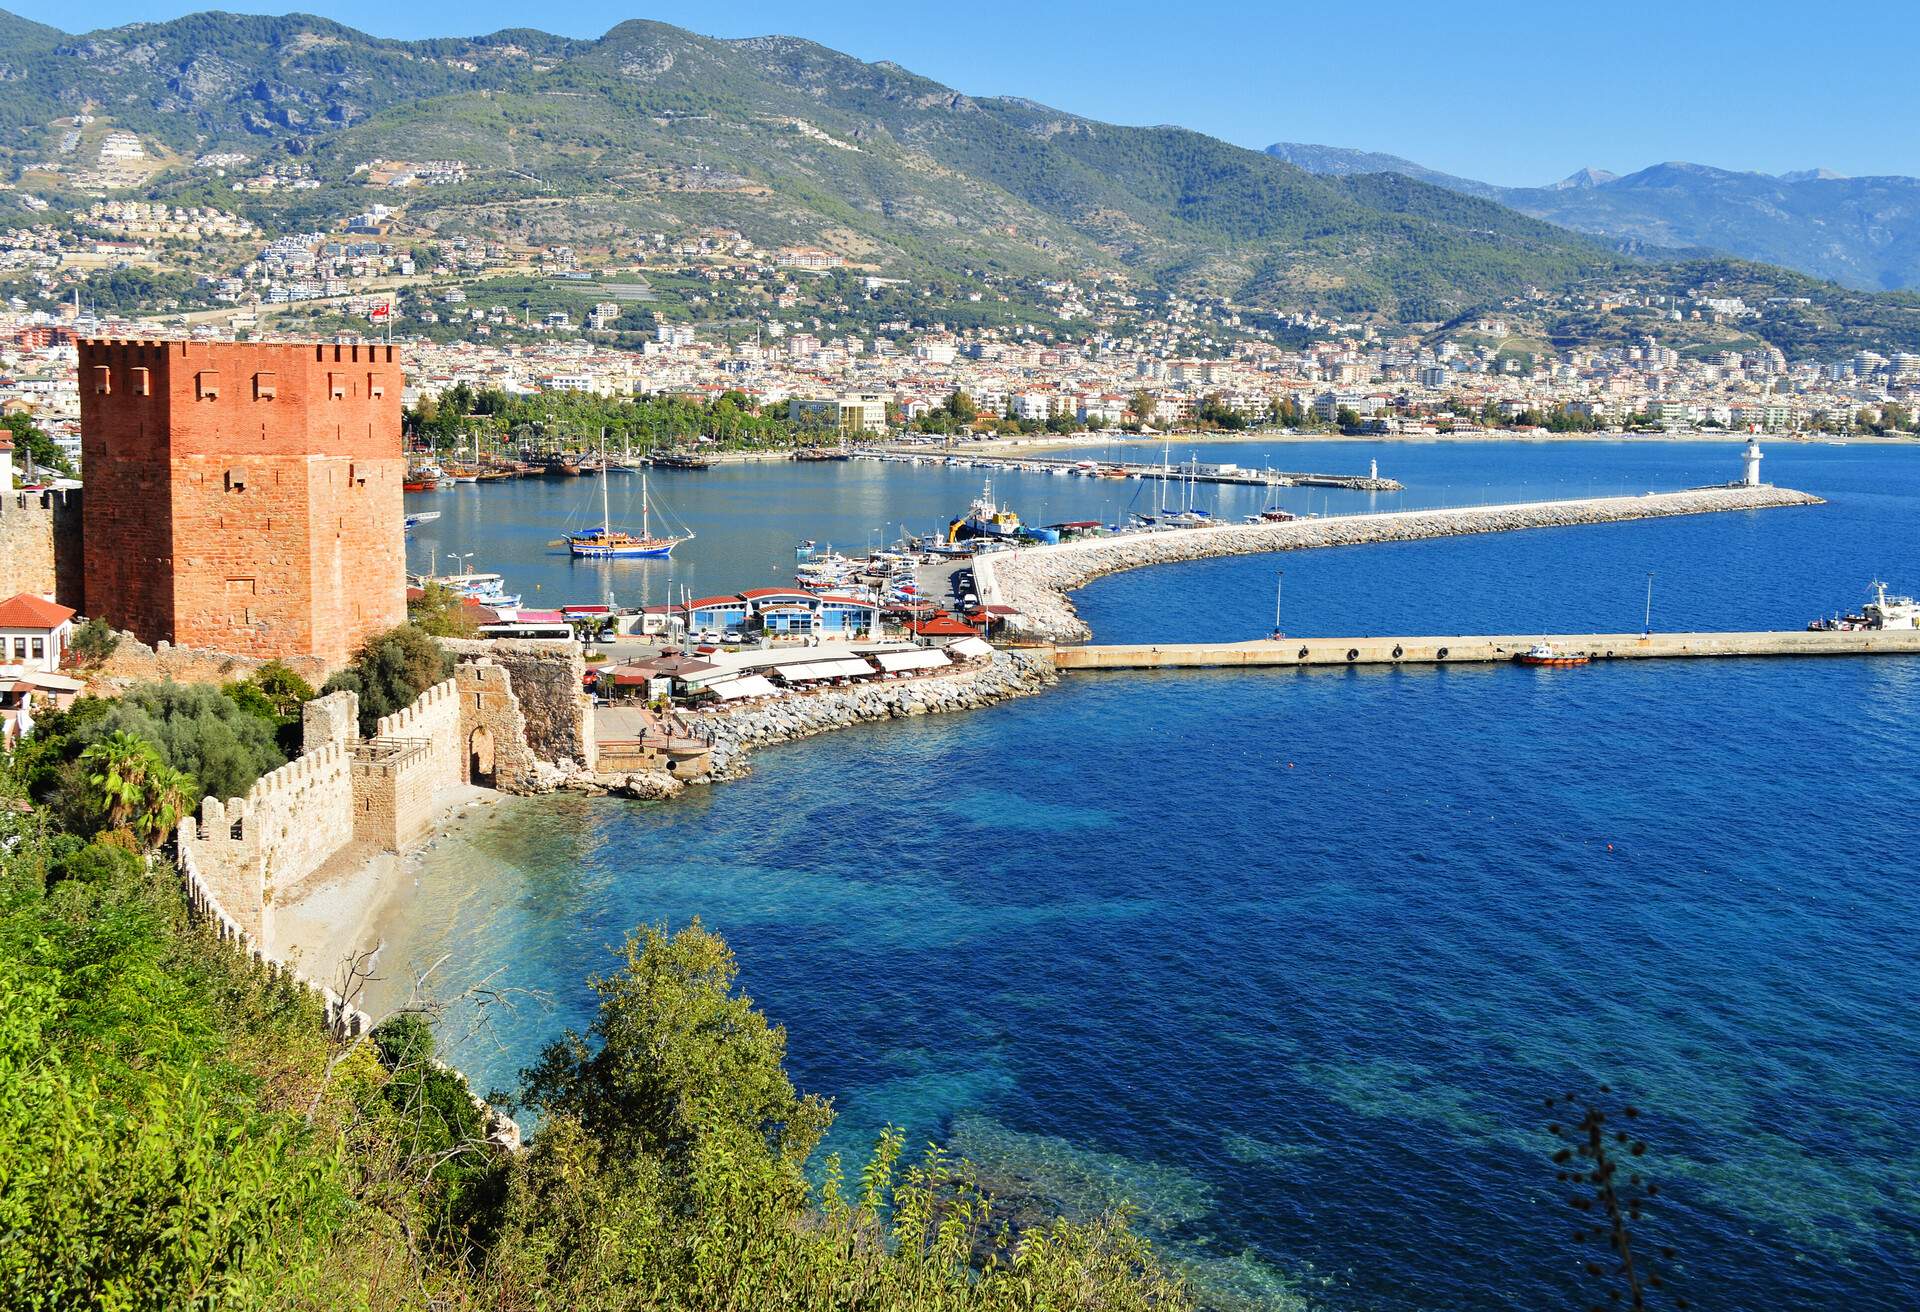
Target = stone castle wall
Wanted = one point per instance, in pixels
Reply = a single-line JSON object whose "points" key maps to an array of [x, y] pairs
{"points": [[283, 830], [40, 547], [379, 794], [548, 678]]}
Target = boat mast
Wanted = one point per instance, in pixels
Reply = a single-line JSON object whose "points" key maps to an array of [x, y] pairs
{"points": [[606, 516], [645, 531]]}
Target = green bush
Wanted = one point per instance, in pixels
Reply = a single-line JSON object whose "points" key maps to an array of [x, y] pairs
{"points": [[198, 730], [390, 670]]}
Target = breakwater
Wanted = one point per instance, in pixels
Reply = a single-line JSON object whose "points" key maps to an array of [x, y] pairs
{"points": [[1482, 649], [737, 731], [1034, 581]]}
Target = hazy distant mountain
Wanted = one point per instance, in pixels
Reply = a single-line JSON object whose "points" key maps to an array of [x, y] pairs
{"points": [[1862, 232]]}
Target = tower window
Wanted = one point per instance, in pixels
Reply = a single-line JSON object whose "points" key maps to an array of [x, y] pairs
{"points": [[236, 480], [337, 386], [102, 380], [142, 384], [263, 387], [206, 384]]}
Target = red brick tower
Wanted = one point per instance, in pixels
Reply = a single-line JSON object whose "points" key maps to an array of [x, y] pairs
{"points": [[241, 496]]}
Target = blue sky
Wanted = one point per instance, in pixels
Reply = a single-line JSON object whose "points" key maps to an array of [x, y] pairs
{"points": [[1476, 89]]}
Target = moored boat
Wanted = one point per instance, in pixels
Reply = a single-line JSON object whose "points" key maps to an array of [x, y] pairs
{"points": [[1542, 653]]}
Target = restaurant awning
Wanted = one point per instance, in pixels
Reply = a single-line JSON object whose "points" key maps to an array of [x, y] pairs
{"points": [[969, 648], [747, 685], [920, 658], [813, 671]]}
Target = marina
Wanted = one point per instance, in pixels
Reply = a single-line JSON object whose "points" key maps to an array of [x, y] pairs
{"points": [[1222, 473]]}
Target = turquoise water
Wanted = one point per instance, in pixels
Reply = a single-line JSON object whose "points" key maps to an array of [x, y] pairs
{"points": [[1289, 959]]}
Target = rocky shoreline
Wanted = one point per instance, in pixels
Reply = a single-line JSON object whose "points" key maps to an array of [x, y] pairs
{"points": [[1035, 580], [1007, 674]]}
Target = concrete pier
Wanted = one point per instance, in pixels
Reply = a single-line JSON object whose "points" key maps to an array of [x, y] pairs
{"points": [[1298, 653], [1034, 581]]}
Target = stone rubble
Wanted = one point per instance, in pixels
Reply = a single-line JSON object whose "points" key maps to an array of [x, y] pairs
{"points": [[738, 730], [1035, 580]]}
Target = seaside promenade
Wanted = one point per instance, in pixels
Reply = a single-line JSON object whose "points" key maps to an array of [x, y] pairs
{"points": [[1035, 581]]}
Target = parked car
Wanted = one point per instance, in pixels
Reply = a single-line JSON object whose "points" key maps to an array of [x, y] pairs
{"points": [[711, 637], [734, 637]]}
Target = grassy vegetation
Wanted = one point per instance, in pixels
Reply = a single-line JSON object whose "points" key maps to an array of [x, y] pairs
{"points": [[179, 1130]]}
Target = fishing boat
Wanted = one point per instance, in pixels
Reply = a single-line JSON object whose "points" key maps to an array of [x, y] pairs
{"points": [[608, 543], [985, 519], [418, 517], [1542, 653]]}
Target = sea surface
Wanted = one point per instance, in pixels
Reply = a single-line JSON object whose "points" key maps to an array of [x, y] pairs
{"points": [[1290, 959]]}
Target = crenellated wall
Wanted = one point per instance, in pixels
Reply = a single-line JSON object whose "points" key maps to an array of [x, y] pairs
{"points": [[379, 794], [283, 830], [40, 545], [435, 719]]}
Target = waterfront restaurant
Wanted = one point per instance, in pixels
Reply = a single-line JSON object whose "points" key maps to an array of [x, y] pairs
{"points": [[786, 614]]}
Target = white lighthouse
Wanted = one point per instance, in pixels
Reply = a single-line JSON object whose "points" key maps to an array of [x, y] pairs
{"points": [[1751, 478]]}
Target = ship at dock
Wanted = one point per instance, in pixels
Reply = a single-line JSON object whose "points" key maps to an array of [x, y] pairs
{"points": [[987, 519], [1883, 612]]}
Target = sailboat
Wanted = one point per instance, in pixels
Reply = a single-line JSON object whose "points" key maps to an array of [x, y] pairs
{"points": [[1279, 583], [608, 543]]}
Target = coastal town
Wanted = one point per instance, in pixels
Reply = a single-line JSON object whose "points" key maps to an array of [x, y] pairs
{"points": [[646, 670]]}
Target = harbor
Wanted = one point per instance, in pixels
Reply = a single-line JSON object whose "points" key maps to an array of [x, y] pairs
{"points": [[1165, 471]]}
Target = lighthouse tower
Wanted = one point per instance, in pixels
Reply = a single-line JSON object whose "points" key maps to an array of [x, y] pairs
{"points": [[1751, 478]]}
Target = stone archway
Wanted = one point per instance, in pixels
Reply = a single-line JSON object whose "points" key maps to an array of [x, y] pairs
{"points": [[480, 757]]}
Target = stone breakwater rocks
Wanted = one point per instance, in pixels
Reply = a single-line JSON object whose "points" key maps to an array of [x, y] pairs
{"points": [[1035, 580], [736, 732]]}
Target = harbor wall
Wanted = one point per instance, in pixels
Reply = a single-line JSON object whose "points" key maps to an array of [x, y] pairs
{"points": [[1034, 581], [1300, 653]]}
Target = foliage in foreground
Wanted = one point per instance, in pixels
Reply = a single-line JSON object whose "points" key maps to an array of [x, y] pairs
{"points": [[178, 1131]]}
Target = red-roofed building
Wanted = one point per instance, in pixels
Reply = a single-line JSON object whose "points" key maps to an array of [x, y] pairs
{"points": [[34, 632]]}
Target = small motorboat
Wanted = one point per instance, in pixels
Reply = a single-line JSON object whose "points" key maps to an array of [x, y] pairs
{"points": [[1542, 653]]}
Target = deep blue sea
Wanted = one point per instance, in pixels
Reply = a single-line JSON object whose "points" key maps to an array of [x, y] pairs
{"points": [[1289, 959]]}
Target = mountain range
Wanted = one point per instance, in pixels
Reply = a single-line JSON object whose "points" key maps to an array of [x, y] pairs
{"points": [[1859, 232], [652, 128]]}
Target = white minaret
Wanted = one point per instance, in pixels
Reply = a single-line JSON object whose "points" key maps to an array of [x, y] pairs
{"points": [[1752, 454]]}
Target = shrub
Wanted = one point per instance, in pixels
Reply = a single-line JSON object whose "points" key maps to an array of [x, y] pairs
{"points": [[198, 730], [390, 670], [92, 643]]}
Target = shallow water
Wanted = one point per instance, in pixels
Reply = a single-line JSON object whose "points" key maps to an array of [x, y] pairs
{"points": [[1288, 959]]}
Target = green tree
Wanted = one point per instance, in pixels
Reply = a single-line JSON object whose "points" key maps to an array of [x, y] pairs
{"points": [[30, 442], [390, 670], [135, 790], [198, 730], [1141, 406], [93, 642], [441, 612]]}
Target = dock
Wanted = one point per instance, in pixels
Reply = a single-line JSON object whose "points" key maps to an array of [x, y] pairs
{"points": [[1481, 649]]}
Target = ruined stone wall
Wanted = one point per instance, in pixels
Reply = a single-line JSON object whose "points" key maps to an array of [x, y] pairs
{"points": [[29, 561], [489, 706], [284, 829], [548, 678]]}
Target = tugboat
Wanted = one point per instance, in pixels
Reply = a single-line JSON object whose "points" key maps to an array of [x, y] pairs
{"points": [[1542, 653]]}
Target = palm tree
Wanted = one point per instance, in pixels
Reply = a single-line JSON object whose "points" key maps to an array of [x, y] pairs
{"points": [[136, 789]]}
